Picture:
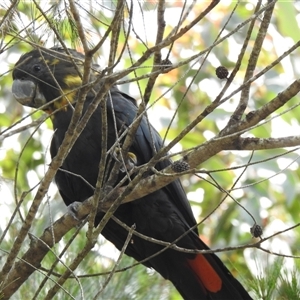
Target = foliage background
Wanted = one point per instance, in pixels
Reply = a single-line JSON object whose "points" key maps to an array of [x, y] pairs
{"points": [[268, 188]]}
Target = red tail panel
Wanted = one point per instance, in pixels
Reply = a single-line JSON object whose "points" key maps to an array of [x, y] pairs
{"points": [[206, 273]]}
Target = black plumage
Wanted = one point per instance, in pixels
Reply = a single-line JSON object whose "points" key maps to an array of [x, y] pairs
{"points": [[41, 76]]}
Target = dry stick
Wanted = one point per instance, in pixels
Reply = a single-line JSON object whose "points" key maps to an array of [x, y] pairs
{"points": [[58, 259], [265, 143], [161, 24], [277, 253], [166, 42], [127, 34], [254, 117], [31, 214], [227, 193], [8, 11], [99, 100], [224, 89], [5, 24], [117, 263], [23, 29], [73, 266], [241, 141], [16, 210], [89, 244], [130, 133], [269, 177], [262, 72], [88, 56], [92, 51], [126, 145], [237, 115], [116, 166], [39, 270], [193, 251], [172, 245], [158, 182], [251, 120], [216, 207], [240, 57], [34, 123], [202, 171], [17, 171], [272, 140], [80, 28], [115, 34], [182, 18], [102, 166]]}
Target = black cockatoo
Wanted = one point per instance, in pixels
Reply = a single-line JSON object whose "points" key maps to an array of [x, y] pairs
{"points": [[44, 75]]}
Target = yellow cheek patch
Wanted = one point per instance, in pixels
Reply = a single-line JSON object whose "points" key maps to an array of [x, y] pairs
{"points": [[69, 90], [69, 96], [72, 81], [54, 62]]}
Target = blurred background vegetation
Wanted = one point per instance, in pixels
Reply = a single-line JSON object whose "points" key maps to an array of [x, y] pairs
{"points": [[268, 189]]}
